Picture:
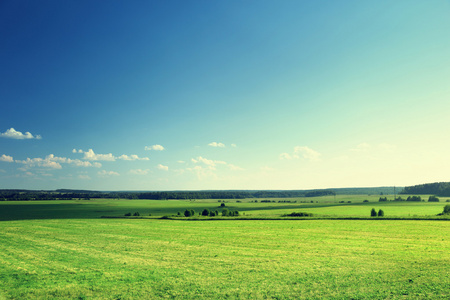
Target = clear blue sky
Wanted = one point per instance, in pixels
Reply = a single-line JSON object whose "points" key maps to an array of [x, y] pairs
{"points": [[188, 95]]}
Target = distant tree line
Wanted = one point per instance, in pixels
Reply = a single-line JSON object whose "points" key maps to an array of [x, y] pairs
{"points": [[411, 199], [438, 188], [26, 195]]}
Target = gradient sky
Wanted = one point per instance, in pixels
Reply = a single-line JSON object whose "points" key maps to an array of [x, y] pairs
{"points": [[189, 95]]}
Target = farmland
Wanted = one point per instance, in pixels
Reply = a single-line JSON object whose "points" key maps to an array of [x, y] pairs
{"points": [[63, 249]]}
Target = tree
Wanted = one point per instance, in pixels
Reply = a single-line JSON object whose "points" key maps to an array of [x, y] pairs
{"points": [[205, 212], [222, 204], [373, 212], [136, 214], [446, 209], [381, 213], [433, 199], [225, 212], [187, 213]]}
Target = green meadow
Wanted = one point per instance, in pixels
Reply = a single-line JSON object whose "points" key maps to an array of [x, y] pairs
{"points": [[65, 250]]}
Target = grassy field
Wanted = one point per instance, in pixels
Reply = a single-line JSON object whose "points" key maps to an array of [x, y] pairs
{"points": [[325, 206], [63, 249], [135, 259]]}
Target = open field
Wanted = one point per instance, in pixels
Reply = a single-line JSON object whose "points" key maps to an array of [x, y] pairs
{"points": [[124, 259], [325, 206], [62, 249]]}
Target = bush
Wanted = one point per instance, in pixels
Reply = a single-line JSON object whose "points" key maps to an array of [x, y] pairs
{"points": [[212, 214], [127, 214], [222, 205], [433, 199], [205, 212], [136, 214], [299, 214], [373, 212], [381, 213], [366, 200], [187, 213], [225, 212], [446, 209]]}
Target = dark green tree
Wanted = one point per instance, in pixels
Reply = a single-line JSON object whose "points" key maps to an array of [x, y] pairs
{"points": [[205, 212], [373, 212], [225, 213], [187, 213], [381, 213], [446, 209], [433, 199]]}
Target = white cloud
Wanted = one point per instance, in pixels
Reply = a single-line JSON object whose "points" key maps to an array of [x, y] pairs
{"points": [[6, 158], [181, 161], [107, 173], [285, 156], [132, 157], [234, 168], [139, 172], [50, 161], [14, 134], [215, 144], [307, 153], [90, 155], [210, 163], [163, 168], [82, 163], [233, 145], [85, 177], [302, 151], [155, 147]]}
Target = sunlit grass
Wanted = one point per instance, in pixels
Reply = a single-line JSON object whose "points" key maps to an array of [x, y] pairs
{"points": [[117, 258]]}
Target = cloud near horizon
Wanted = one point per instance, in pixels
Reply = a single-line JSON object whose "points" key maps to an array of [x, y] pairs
{"points": [[17, 135], [302, 151], [162, 167], [155, 148], [217, 145]]}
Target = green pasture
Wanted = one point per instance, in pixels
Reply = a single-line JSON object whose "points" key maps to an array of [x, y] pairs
{"points": [[320, 206], [153, 259]]}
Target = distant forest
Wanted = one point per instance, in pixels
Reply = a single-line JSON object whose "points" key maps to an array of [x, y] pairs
{"points": [[67, 194], [438, 188], [19, 195]]}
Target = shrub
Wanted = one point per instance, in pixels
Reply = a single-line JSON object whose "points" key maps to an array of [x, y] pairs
{"points": [[187, 213], [299, 214], [366, 200], [222, 205], [127, 214], [136, 214], [212, 214], [205, 212], [433, 199], [151, 214], [373, 212], [225, 212], [446, 209], [381, 213]]}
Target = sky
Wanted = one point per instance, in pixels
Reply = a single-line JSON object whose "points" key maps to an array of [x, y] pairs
{"points": [[208, 95]]}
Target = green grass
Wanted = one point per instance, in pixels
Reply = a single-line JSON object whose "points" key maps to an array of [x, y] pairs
{"points": [[325, 206], [63, 250], [152, 259]]}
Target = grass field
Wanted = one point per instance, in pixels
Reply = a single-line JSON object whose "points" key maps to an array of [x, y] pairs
{"points": [[62, 249]]}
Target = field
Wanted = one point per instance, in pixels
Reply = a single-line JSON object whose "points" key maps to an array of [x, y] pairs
{"points": [[62, 249]]}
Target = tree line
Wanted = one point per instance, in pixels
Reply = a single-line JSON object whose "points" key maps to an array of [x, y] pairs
{"points": [[437, 188], [26, 195]]}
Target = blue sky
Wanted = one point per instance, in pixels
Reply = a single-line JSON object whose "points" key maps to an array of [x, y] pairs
{"points": [[172, 95]]}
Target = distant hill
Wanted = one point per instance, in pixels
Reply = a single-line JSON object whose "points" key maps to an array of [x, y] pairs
{"points": [[436, 188], [66, 194]]}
